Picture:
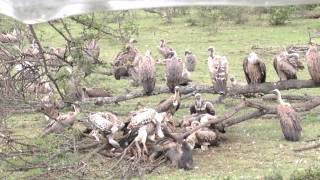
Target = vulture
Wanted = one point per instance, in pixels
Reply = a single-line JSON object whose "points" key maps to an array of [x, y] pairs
{"points": [[92, 93], [289, 119], [104, 123], [185, 77], [57, 125], [287, 65], [313, 62], [174, 70], [123, 61], [92, 51], [13, 37], [201, 107], [203, 137], [172, 104], [180, 154], [147, 73], [191, 60], [164, 49], [254, 69], [144, 124], [218, 68]]}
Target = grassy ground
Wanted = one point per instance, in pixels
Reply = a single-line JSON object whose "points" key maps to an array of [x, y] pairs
{"points": [[254, 148]]}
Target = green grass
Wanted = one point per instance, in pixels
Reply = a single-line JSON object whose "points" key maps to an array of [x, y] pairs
{"points": [[254, 148]]}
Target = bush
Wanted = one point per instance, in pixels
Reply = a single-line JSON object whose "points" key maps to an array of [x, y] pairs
{"points": [[280, 15]]}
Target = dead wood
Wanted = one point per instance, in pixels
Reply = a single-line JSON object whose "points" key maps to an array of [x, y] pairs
{"points": [[238, 90]]}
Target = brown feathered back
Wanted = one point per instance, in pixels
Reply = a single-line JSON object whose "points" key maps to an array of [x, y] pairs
{"points": [[191, 61], [170, 105], [174, 68], [123, 61], [96, 92], [164, 49], [313, 61], [147, 74], [287, 65], [290, 122], [255, 72]]}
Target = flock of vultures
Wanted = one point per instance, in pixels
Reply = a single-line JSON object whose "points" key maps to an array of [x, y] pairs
{"points": [[150, 132]]}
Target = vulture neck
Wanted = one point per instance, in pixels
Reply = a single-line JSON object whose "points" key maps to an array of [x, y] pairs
{"points": [[212, 54], [280, 100], [175, 99]]}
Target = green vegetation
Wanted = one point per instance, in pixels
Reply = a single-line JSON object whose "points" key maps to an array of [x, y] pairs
{"points": [[254, 149]]}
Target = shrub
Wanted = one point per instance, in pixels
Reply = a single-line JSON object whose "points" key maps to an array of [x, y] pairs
{"points": [[306, 174], [280, 15]]}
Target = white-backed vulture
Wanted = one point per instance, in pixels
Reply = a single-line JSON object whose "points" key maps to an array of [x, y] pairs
{"points": [[289, 119], [203, 137], [201, 107], [172, 104], [57, 125], [254, 69], [218, 68], [92, 92], [185, 77], [104, 123], [147, 73], [174, 69], [191, 60], [12, 37], [313, 61], [92, 51], [145, 124], [164, 49], [287, 65], [123, 61]]}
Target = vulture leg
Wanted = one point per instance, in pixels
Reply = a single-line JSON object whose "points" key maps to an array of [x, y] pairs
{"points": [[138, 149]]}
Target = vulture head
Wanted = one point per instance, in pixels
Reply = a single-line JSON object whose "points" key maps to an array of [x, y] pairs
{"points": [[172, 54], [132, 40], [148, 53], [198, 100], [279, 98], [253, 58], [313, 45], [212, 51], [176, 95], [162, 42], [187, 52]]}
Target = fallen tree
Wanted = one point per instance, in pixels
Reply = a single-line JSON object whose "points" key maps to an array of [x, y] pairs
{"points": [[264, 88]]}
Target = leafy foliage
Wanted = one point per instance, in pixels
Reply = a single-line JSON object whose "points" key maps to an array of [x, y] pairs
{"points": [[280, 15]]}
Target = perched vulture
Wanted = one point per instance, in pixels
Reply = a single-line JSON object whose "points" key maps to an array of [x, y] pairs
{"points": [[191, 60], [174, 69], [185, 77], [164, 49], [93, 92], [172, 104], [287, 65], [313, 61], [254, 69], [104, 123], [202, 107], [289, 119], [123, 61], [218, 68], [92, 51], [57, 125], [147, 73], [203, 137], [13, 37]]}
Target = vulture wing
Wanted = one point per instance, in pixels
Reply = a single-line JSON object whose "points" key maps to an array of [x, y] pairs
{"points": [[210, 109], [245, 69], [174, 68], [193, 109], [263, 71], [290, 123], [165, 105], [275, 64]]}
